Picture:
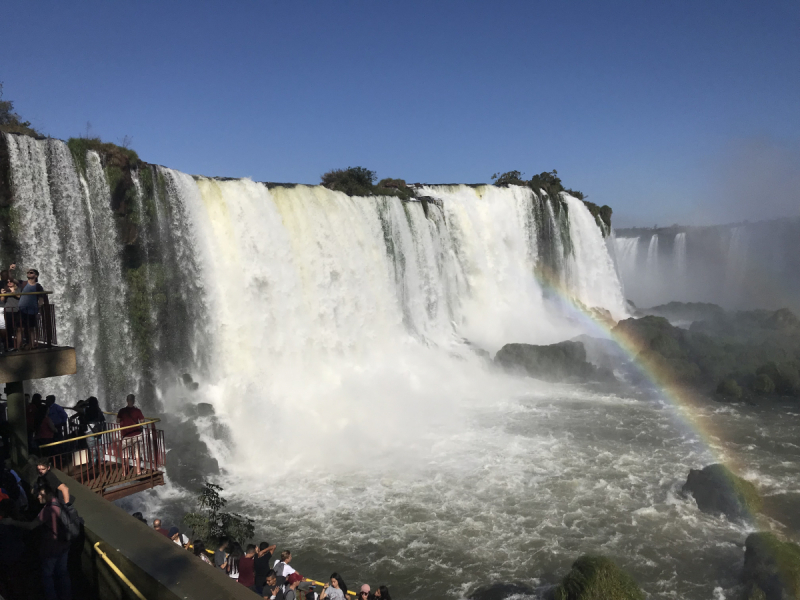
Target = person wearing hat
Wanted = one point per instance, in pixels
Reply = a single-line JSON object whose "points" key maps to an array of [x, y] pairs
{"points": [[177, 537], [308, 589], [363, 593], [292, 581]]}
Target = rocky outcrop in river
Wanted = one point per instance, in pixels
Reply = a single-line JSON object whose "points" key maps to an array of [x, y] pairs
{"points": [[717, 490], [565, 361]]}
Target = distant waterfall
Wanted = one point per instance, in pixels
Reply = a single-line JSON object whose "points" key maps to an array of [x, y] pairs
{"points": [[270, 296], [679, 253]]}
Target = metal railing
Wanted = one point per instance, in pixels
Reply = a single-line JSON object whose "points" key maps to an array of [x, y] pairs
{"points": [[29, 332], [112, 457]]}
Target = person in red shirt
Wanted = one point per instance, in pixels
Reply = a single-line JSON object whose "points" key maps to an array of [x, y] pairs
{"points": [[132, 437], [157, 526], [247, 568]]}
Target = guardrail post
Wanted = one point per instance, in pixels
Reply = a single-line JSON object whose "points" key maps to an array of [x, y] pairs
{"points": [[18, 421]]}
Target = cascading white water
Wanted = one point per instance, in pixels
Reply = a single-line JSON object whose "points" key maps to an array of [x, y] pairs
{"points": [[679, 254], [315, 300], [67, 232], [736, 266]]}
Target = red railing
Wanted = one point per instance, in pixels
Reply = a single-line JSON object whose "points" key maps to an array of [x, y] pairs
{"points": [[111, 463]]}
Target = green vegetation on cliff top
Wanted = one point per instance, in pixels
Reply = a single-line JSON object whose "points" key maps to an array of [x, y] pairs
{"points": [[550, 183], [11, 122]]}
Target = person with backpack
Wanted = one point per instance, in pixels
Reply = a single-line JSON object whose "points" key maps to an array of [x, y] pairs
{"points": [[59, 524]]}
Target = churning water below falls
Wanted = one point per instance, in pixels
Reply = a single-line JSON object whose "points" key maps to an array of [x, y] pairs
{"points": [[335, 338], [512, 481]]}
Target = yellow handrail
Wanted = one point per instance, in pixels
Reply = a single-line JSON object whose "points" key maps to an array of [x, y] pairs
{"points": [[83, 437], [119, 573], [25, 294]]}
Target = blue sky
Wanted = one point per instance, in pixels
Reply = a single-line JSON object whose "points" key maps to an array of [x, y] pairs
{"points": [[668, 111]]}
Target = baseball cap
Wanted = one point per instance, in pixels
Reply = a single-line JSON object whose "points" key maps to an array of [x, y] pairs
{"points": [[294, 578]]}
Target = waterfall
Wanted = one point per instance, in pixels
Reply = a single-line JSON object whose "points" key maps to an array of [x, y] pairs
{"points": [[735, 266], [679, 254], [290, 303]]}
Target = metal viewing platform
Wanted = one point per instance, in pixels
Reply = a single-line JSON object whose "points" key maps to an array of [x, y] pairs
{"points": [[111, 463]]}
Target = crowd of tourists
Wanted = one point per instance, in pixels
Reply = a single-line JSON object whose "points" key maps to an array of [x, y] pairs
{"points": [[36, 538], [20, 309], [250, 566]]}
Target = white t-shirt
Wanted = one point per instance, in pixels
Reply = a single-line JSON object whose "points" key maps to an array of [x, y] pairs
{"points": [[282, 569], [182, 540]]}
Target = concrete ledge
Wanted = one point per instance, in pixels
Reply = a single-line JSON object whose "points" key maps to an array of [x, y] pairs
{"points": [[158, 567], [37, 364]]}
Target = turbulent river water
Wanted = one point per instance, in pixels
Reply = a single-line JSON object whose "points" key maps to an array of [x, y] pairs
{"points": [[341, 342]]}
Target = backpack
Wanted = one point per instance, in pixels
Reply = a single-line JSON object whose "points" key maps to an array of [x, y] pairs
{"points": [[70, 522]]}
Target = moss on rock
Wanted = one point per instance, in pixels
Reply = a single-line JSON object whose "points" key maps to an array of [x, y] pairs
{"points": [[717, 490], [729, 388], [771, 567], [597, 578]]}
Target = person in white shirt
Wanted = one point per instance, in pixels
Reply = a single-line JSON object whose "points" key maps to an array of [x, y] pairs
{"points": [[281, 566]]}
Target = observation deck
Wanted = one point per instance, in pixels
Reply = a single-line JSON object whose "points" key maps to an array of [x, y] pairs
{"points": [[115, 462]]}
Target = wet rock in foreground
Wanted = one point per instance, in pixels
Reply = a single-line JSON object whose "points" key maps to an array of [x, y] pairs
{"points": [[596, 578], [771, 568]]}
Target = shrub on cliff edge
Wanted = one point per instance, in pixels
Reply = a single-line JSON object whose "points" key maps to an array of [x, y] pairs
{"points": [[353, 181], [11, 122]]}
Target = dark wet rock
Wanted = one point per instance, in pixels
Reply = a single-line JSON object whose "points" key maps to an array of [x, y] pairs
{"points": [[763, 385], [188, 382], [685, 312], [189, 462], [771, 568], [785, 376], [728, 388], [596, 578], [500, 591], [717, 490], [564, 361], [204, 409]]}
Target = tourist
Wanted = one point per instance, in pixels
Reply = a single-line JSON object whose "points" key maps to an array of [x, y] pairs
{"points": [[29, 307], [179, 538], [12, 274], [57, 415], [292, 581], [131, 437], [53, 549], [383, 593], [247, 573], [335, 590], [261, 564], [46, 434], [12, 548], [10, 305], [199, 549], [308, 589], [231, 565], [49, 479], [221, 555], [272, 591], [93, 421], [363, 593], [157, 526], [281, 566]]}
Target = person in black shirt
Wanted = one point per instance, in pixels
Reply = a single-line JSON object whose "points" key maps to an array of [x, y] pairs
{"points": [[261, 561], [49, 479]]}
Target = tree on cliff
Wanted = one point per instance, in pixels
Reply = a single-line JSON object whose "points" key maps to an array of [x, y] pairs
{"points": [[211, 524], [353, 181], [11, 122]]}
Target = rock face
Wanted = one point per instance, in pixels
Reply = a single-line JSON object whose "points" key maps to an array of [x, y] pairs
{"points": [[771, 567], [597, 578], [564, 361], [717, 490]]}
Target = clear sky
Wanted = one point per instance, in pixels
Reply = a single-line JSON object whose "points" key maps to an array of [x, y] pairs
{"points": [[669, 111]]}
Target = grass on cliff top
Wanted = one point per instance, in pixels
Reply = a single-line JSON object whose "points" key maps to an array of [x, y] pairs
{"points": [[113, 155]]}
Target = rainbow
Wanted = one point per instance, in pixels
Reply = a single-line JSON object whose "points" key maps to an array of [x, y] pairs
{"points": [[683, 401]]}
